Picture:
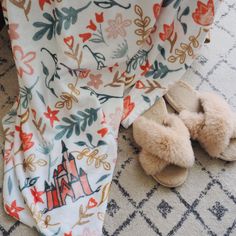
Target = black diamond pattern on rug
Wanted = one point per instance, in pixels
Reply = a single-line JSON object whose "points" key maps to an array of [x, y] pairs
{"points": [[218, 210], [164, 208]]}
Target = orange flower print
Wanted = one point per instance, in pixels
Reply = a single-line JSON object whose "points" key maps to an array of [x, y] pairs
{"points": [[42, 3], [36, 195], [13, 210], [26, 140], [156, 10], [128, 107], [145, 68], [85, 37], [68, 234], [204, 14], [168, 31], [167, 35], [23, 61], [95, 81], [51, 115], [69, 41], [12, 31], [139, 85], [8, 157], [92, 203], [102, 132], [92, 26], [83, 73], [117, 27], [99, 17]]}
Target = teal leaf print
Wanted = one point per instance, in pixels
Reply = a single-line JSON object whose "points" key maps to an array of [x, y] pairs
{"points": [[49, 79], [166, 3], [9, 185], [26, 94], [78, 122], [101, 97], [41, 97], [177, 2], [54, 23], [105, 4], [11, 117], [146, 99], [162, 51], [121, 50], [158, 70], [98, 57], [102, 178], [179, 18], [29, 182], [91, 145], [137, 60]]}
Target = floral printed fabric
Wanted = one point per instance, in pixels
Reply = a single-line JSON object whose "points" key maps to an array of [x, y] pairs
{"points": [[83, 68]]}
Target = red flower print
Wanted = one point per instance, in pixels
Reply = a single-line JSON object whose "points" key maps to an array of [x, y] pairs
{"points": [[156, 10], [37, 195], [99, 17], [92, 203], [95, 81], [102, 132], [51, 115], [128, 107], [69, 41], [111, 67], [13, 210], [7, 155], [139, 85], [23, 60], [167, 35], [12, 31], [92, 26], [85, 36], [84, 73], [168, 31], [145, 68], [26, 139], [68, 234], [42, 2], [204, 14]]}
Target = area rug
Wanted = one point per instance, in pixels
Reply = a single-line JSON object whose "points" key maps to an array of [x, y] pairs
{"points": [[206, 203]]}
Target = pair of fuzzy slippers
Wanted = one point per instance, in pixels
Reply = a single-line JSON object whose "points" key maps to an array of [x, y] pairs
{"points": [[164, 137]]}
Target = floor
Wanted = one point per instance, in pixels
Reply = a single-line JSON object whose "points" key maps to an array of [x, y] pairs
{"points": [[206, 203]]}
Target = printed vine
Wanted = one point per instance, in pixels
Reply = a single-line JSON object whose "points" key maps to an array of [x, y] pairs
{"points": [[186, 49], [144, 25], [93, 157]]}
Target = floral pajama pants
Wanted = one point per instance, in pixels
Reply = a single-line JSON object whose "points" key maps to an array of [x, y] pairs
{"points": [[83, 68]]}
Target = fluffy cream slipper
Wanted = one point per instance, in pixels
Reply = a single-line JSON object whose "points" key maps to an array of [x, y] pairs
{"points": [[166, 148], [208, 118]]}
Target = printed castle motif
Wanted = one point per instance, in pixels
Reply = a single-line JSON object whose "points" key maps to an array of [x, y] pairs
{"points": [[68, 182]]}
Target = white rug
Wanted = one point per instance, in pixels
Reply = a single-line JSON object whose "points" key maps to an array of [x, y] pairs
{"points": [[206, 203]]}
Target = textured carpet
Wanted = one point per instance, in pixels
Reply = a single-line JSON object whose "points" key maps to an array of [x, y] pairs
{"points": [[206, 203]]}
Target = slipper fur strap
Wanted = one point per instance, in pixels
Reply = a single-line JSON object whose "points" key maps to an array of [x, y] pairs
{"points": [[214, 127], [169, 142]]}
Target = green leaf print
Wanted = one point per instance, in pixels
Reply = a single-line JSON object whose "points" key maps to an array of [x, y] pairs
{"points": [[77, 123], [137, 60], [54, 23], [159, 70]]}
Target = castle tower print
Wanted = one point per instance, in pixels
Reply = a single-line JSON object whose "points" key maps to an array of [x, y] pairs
{"points": [[68, 182]]}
